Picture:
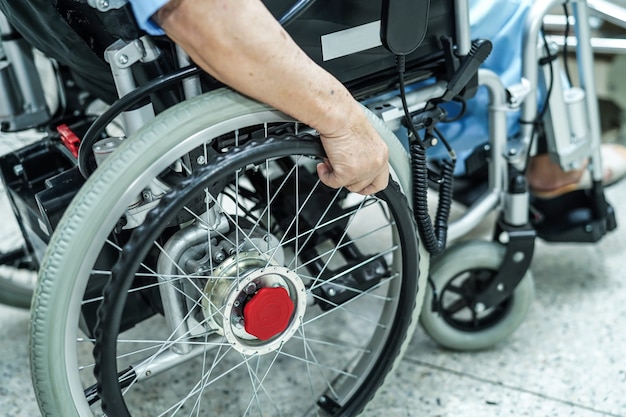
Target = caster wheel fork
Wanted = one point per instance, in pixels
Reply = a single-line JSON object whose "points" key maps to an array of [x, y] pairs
{"points": [[458, 318]]}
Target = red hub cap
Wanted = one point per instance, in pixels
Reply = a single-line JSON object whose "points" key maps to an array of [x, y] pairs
{"points": [[268, 313]]}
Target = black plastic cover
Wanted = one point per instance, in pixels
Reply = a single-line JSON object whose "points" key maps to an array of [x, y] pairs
{"points": [[324, 17], [403, 25]]}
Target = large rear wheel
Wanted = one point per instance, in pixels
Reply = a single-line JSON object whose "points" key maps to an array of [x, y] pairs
{"points": [[294, 298], [250, 238]]}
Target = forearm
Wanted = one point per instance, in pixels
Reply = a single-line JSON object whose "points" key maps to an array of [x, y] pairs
{"points": [[241, 44]]}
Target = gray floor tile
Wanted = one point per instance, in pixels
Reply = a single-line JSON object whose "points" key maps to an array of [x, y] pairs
{"points": [[16, 393]]}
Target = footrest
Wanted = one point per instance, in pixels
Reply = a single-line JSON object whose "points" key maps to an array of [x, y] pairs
{"points": [[571, 217]]}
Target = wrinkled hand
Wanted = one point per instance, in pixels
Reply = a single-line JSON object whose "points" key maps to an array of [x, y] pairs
{"points": [[357, 158]]}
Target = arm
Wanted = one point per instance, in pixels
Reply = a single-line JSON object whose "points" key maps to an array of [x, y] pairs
{"points": [[241, 44]]}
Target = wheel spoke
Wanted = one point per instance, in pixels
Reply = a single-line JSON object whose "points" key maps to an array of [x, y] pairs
{"points": [[229, 237], [458, 305]]}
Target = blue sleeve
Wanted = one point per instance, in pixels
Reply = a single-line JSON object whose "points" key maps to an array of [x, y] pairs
{"points": [[143, 10]]}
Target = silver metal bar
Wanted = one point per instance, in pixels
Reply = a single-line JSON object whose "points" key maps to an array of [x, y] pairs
{"points": [[556, 22], [609, 11], [20, 55], [463, 34], [167, 359], [492, 199], [611, 46], [121, 56], [584, 54], [295, 11], [390, 110], [473, 216], [530, 58], [172, 289], [191, 85], [604, 10], [600, 45]]}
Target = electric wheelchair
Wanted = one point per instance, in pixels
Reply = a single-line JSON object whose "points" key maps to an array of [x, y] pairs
{"points": [[190, 261]]}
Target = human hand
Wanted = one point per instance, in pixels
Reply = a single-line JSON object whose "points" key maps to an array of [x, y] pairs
{"points": [[357, 158]]}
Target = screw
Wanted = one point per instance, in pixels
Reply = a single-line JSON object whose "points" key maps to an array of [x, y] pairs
{"points": [[500, 287], [219, 256], [123, 59], [200, 160], [331, 292], [250, 288], [148, 373], [512, 152], [18, 170], [480, 307], [518, 257], [103, 4]]}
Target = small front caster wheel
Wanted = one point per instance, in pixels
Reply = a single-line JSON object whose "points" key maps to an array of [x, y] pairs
{"points": [[460, 275]]}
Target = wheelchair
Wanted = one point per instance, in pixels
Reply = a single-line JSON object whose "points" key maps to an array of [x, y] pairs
{"points": [[192, 262]]}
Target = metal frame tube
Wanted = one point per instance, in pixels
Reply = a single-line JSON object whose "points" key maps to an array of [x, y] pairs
{"points": [[611, 46], [463, 34], [530, 58], [191, 86], [532, 28], [492, 198], [584, 54]]}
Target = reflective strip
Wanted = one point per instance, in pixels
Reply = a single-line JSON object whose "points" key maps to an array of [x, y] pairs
{"points": [[351, 41]]}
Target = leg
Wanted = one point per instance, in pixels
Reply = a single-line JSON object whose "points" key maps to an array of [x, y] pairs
{"points": [[547, 179]]}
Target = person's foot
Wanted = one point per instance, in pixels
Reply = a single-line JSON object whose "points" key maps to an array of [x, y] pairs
{"points": [[546, 179]]}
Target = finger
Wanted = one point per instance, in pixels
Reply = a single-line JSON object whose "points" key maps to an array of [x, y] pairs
{"points": [[359, 187], [380, 183], [325, 173]]}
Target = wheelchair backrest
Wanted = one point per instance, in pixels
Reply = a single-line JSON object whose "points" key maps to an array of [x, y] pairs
{"points": [[343, 36]]}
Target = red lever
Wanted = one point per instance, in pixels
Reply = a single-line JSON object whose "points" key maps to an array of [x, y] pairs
{"points": [[268, 313], [69, 139]]}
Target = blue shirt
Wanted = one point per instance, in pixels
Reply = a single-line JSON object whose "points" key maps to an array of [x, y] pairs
{"points": [[143, 10]]}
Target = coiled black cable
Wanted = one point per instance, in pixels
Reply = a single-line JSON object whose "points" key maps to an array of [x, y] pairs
{"points": [[434, 237]]}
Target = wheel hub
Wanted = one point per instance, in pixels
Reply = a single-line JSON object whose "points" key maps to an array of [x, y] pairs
{"points": [[268, 312], [256, 306]]}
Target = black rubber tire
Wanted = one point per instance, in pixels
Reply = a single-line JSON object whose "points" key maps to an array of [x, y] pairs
{"points": [[387, 344], [461, 262], [60, 354]]}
